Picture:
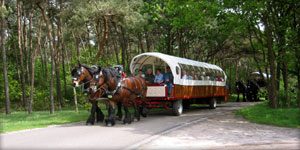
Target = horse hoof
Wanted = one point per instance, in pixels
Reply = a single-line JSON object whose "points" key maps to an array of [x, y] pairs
{"points": [[99, 121], [89, 123], [144, 115], [126, 121]]}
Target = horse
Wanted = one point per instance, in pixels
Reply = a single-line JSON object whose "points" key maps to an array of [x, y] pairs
{"points": [[84, 75], [240, 88], [252, 91], [124, 90]]}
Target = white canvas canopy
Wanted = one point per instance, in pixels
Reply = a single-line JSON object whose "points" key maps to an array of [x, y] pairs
{"points": [[159, 59]]}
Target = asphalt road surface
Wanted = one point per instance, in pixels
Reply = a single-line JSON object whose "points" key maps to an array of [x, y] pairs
{"points": [[197, 128]]}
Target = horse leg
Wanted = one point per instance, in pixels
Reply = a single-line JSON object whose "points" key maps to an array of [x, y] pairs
{"points": [[127, 118], [244, 97], [99, 114], [91, 119], [143, 109], [119, 113], [136, 112], [110, 121], [238, 97]]}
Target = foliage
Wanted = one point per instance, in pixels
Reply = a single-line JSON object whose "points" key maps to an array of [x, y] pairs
{"points": [[229, 33], [261, 113]]}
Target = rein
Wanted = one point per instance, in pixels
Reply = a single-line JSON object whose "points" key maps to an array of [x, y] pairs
{"points": [[119, 86], [84, 83]]}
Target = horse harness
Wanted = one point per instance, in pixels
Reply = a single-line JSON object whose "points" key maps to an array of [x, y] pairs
{"points": [[111, 93]]}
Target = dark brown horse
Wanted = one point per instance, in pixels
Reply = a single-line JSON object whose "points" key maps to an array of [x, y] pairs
{"points": [[82, 75], [124, 90]]}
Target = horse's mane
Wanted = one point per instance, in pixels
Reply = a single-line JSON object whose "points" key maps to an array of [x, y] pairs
{"points": [[92, 71], [109, 73]]}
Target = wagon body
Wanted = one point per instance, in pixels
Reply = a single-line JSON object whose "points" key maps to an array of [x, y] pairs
{"points": [[206, 83]]}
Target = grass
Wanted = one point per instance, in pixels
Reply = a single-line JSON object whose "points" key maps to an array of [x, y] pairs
{"points": [[21, 120], [261, 113]]}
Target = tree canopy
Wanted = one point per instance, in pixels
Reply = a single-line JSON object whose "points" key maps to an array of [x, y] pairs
{"points": [[41, 40]]}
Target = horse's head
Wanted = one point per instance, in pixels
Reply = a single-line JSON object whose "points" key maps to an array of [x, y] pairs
{"points": [[80, 75]]}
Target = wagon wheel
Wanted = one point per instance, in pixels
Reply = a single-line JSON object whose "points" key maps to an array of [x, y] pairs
{"points": [[177, 108], [212, 103]]}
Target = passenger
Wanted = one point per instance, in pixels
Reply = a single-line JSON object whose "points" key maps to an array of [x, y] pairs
{"points": [[219, 78], [159, 77], [202, 76], [207, 76], [141, 74], [184, 75], [194, 76], [189, 76], [121, 74], [149, 77], [168, 78], [212, 77]]}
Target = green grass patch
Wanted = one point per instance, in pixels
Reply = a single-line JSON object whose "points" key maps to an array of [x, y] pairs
{"points": [[261, 113], [22, 120]]}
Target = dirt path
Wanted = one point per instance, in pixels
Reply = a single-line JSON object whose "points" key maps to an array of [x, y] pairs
{"points": [[224, 130], [197, 128]]}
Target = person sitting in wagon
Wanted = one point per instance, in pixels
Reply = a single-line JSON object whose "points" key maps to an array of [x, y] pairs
{"points": [[149, 77], [184, 75], [140, 74], [168, 78], [121, 74], [159, 77]]}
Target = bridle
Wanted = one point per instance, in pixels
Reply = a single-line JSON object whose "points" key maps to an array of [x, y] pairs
{"points": [[84, 83]]}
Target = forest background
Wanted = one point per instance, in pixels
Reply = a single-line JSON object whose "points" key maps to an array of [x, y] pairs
{"points": [[42, 40]]}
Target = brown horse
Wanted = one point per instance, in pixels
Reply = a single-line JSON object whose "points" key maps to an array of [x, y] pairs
{"points": [[124, 90], [82, 75]]}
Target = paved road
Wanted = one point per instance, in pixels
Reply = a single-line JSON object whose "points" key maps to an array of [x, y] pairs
{"points": [[196, 128]]}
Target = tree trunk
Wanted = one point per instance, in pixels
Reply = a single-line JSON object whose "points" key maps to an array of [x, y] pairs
{"points": [[168, 40], [64, 67], [140, 36], [76, 40], [26, 52], [24, 101], [57, 63], [123, 43], [278, 75], [271, 59], [283, 64], [2, 42], [58, 86], [148, 41], [88, 40], [116, 51], [33, 54], [62, 50], [49, 34], [104, 38]]}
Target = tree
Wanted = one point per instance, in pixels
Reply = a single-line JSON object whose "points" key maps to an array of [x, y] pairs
{"points": [[22, 73], [2, 41], [50, 38]]}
